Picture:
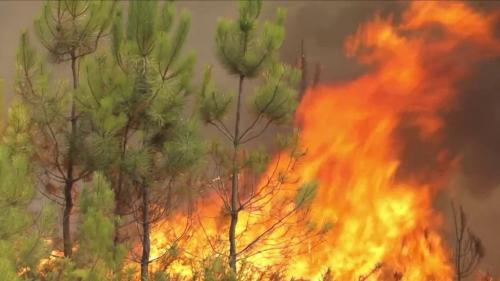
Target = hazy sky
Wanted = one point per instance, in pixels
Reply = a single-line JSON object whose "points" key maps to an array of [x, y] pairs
{"points": [[324, 25]]}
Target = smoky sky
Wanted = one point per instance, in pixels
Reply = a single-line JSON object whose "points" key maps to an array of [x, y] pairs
{"points": [[471, 129], [324, 26], [472, 126]]}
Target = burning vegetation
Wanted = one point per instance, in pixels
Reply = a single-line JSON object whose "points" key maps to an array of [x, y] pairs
{"points": [[144, 197]]}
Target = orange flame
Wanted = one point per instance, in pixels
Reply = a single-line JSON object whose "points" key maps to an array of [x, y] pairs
{"points": [[384, 228]]}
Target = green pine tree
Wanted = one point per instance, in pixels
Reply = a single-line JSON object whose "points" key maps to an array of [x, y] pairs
{"points": [[96, 257], [249, 51], [69, 31], [24, 229], [134, 101]]}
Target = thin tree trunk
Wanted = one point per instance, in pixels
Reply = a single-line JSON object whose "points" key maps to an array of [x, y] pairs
{"points": [[146, 228], [234, 182], [118, 190], [67, 215], [68, 187], [457, 260], [303, 68]]}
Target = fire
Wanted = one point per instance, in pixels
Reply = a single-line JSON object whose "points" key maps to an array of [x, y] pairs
{"points": [[383, 227]]}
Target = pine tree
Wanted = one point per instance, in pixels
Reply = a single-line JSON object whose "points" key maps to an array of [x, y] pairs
{"points": [[23, 233], [134, 101], [249, 51], [69, 30], [96, 258]]}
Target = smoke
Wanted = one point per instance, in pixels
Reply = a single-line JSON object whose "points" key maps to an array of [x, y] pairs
{"points": [[15, 16], [471, 132], [324, 26], [473, 129]]}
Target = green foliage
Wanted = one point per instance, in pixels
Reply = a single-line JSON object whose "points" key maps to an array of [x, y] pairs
{"points": [[250, 51], [167, 16], [257, 161], [242, 47], [142, 24], [212, 105], [277, 99], [216, 269], [169, 47], [16, 193], [96, 231], [104, 99], [33, 83], [132, 126], [16, 136], [135, 100], [2, 99], [247, 52], [23, 233], [69, 29], [183, 149], [62, 270], [143, 90], [288, 141], [305, 194]]}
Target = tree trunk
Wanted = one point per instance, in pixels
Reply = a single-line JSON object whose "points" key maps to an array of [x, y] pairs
{"points": [[68, 187], [119, 204], [146, 228], [68, 207], [234, 182]]}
